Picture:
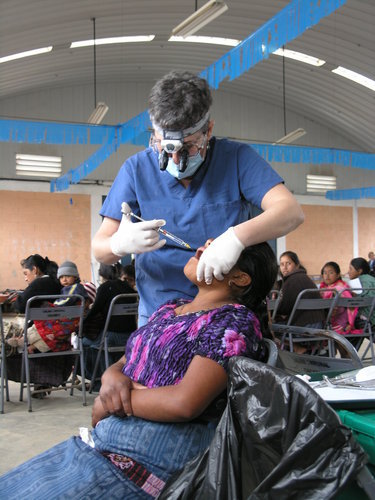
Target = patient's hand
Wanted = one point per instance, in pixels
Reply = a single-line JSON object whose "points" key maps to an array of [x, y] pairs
{"points": [[98, 412], [115, 391], [137, 385]]}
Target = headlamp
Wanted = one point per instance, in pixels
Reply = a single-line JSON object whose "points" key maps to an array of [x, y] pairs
{"points": [[171, 146]]}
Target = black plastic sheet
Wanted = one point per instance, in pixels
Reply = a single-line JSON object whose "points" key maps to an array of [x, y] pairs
{"points": [[277, 439]]}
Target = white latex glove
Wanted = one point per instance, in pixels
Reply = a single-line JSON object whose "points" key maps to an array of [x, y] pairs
{"points": [[219, 258], [138, 237]]}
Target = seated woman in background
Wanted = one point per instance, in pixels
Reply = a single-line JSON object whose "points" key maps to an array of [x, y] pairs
{"points": [[120, 327], [294, 280], [159, 405], [342, 319], [359, 268], [37, 273], [40, 274]]}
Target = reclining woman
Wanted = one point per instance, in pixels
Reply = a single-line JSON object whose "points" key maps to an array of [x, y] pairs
{"points": [[159, 405]]}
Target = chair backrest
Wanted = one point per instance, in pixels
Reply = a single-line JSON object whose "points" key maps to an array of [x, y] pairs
{"points": [[359, 301], [295, 363], [273, 300], [120, 308], [272, 352], [311, 303], [56, 312]]}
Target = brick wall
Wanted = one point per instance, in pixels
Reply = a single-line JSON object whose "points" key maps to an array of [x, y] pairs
{"points": [[51, 224]]}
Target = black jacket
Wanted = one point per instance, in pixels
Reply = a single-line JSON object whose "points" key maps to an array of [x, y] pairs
{"points": [[45, 285], [97, 314], [292, 285]]}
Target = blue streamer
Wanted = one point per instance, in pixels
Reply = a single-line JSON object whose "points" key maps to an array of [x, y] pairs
{"points": [[316, 156], [351, 194], [53, 133], [284, 27], [86, 167]]}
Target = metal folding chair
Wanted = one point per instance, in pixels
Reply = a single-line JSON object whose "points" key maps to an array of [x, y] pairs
{"points": [[53, 313], [272, 352], [273, 300], [301, 303], [117, 308], [4, 378], [295, 364], [360, 302]]}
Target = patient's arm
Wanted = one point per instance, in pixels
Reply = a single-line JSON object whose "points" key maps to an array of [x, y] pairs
{"points": [[204, 380]]}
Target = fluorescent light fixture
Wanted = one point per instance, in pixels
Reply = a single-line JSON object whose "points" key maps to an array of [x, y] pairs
{"points": [[28, 53], [38, 166], [98, 114], [299, 56], [320, 183], [214, 40], [292, 136], [114, 39], [207, 13], [355, 77]]}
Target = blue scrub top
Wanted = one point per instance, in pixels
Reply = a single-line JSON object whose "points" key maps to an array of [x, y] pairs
{"points": [[219, 196]]}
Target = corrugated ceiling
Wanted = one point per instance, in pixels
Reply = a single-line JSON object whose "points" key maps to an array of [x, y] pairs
{"points": [[346, 38]]}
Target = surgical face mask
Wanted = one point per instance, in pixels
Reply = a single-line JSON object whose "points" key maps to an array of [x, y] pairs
{"points": [[193, 163]]}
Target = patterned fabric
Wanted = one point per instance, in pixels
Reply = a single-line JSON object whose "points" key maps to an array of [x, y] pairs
{"points": [[140, 476], [342, 319], [160, 352], [56, 333], [12, 328], [43, 371]]}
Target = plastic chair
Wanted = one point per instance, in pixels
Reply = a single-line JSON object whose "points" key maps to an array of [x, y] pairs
{"points": [[117, 308], [53, 313], [358, 301]]}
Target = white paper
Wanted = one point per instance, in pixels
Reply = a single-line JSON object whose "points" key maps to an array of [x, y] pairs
{"points": [[356, 283], [336, 395]]}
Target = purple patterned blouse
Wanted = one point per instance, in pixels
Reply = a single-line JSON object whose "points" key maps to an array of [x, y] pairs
{"points": [[160, 352]]}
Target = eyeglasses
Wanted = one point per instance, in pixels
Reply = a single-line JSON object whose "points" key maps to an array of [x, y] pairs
{"points": [[191, 147]]}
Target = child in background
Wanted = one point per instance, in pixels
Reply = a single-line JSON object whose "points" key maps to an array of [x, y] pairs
{"points": [[69, 280]]}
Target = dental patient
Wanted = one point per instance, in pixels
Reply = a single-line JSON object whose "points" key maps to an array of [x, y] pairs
{"points": [[159, 405]]}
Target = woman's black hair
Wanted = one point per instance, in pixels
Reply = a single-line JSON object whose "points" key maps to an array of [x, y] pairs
{"points": [[129, 269], [110, 271], [360, 264], [259, 262], [334, 265], [44, 265]]}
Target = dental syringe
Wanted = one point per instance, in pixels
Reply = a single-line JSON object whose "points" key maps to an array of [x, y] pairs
{"points": [[164, 232]]}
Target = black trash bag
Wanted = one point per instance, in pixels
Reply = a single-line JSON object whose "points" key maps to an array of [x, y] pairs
{"points": [[277, 439]]}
